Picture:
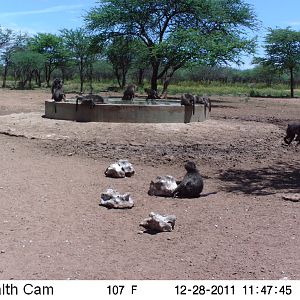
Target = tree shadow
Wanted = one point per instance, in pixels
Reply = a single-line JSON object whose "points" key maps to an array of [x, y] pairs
{"points": [[282, 177]]}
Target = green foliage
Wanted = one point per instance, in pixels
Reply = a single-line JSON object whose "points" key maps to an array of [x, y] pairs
{"points": [[282, 47], [10, 42], [80, 48], [178, 32], [25, 63], [121, 53], [51, 46], [5, 36]]}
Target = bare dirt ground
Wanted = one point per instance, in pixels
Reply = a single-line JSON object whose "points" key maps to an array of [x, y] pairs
{"points": [[52, 175]]}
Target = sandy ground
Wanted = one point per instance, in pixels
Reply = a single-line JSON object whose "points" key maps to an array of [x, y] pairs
{"points": [[52, 175]]}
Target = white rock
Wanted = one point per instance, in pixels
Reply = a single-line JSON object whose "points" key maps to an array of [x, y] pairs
{"points": [[159, 223], [122, 168], [115, 171], [162, 186], [113, 199], [127, 167]]}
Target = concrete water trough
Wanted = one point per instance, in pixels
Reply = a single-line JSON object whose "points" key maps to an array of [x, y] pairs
{"points": [[118, 111]]}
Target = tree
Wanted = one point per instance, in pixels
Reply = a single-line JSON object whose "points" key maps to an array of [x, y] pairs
{"points": [[26, 63], [51, 46], [121, 53], [81, 48], [14, 42], [177, 32], [282, 47]]}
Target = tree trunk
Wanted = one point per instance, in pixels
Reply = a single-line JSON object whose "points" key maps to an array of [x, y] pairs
{"points": [[140, 77], [123, 79], [81, 75], [154, 76], [292, 82], [165, 87], [47, 75], [5, 76]]}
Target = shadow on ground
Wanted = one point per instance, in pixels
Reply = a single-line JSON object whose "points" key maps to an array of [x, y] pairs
{"points": [[282, 177]]}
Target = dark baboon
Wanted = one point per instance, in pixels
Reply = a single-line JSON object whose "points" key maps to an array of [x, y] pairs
{"points": [[192, 184], [203, 100], [188, 100], [292, 132], [129, 93], [57, 90], [151, 94], [89, 100]]}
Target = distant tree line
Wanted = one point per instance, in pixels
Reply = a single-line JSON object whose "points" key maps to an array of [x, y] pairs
{"points": [[152, 42]]}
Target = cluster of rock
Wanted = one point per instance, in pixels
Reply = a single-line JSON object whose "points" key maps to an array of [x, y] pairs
{"points": [[162, 186]]}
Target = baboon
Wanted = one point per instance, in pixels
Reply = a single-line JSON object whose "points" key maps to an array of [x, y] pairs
{"points": [[89, 100], [151, 94], [203, 100], [188, 100], [57, 90], [129, 93], [192, 184], [292, 132]]}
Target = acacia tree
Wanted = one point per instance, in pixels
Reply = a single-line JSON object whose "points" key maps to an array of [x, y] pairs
{"points": [[26, 63], [121, 53], [14, 42], [50, 45], [81, 50], [282, 47], [177, 32]]}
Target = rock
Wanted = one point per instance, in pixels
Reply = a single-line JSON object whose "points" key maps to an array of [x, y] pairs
{"points": [[159, 223], [122, 168], [127, 167], [162, 186], [291, 197], [113, 199], [115, 171]]}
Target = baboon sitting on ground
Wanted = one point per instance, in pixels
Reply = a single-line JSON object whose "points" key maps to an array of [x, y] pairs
{"points": [[129, 93], [192, 184], [292, 132]]}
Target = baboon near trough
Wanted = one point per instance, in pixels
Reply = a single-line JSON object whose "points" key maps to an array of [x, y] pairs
{"points": [[89, 100], [129, 93], [151, 94], [57, 90], [192, 184], [204, 100], [188, 100], [292, 132]]}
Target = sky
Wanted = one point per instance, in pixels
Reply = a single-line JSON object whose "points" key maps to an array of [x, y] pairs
{"points": [[48, 16]]}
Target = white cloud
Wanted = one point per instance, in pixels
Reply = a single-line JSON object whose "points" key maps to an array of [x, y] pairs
{"points": [[52, 9]]}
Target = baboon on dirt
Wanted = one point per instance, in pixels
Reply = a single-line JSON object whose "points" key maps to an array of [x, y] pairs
{"points": [[57, 90], [129, 93], [192, 184], [292, 132], [151, 94], [188, 100]]}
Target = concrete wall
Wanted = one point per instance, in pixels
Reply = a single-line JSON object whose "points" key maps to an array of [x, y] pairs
{"points": [[125, 113]]}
